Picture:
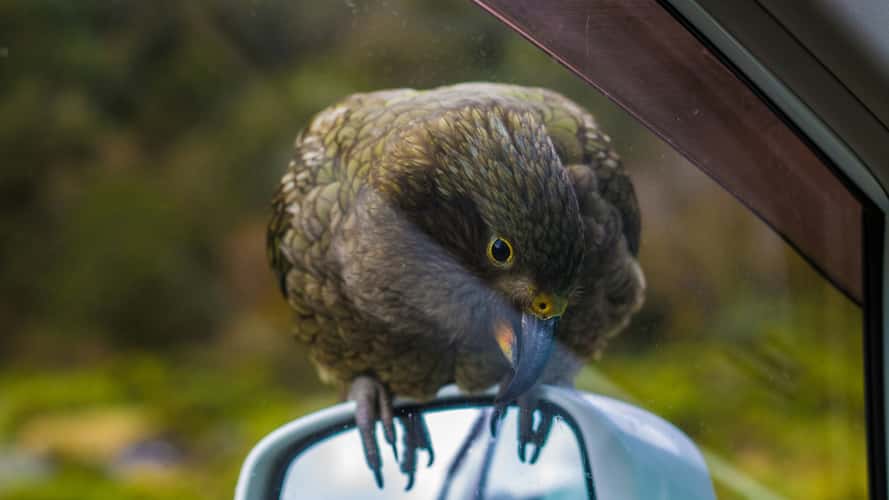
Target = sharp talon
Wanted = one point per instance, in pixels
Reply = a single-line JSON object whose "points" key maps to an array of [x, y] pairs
{"points": [[389, 435], [378, 476], [423, 439], [389, 432], [369, 443], [529, 405], [543, 430], [496, 415], [416, 437], [408, 461], [372, 404], [385, 416], [525, 433]]}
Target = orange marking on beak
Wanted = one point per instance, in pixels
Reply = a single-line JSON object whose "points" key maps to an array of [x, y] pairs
{"points": [[505, 338]]}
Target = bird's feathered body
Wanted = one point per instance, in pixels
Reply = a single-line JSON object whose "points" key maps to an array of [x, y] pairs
{"points": [[376, 223]]}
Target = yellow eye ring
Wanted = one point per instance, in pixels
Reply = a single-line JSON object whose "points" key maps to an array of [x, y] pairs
{"points": [[500, 252]]}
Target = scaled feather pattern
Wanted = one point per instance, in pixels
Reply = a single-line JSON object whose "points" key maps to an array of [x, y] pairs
{"points": [[382, 220]]}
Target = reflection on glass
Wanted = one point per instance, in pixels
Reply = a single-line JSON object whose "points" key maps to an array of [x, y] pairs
{"points": [[335, 468]]}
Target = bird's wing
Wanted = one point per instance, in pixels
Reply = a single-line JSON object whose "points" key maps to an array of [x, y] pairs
{"points": [[306, 203], [317, 190], [278, 227]]}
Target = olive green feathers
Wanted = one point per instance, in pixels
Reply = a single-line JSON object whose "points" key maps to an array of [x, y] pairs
{"points": [[382, 220]]}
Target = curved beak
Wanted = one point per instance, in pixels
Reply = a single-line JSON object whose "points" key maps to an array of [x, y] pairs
{"points": [[527, 351]]}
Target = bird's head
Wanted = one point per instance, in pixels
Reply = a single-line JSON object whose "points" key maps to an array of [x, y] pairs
{"points": [[486, 186]]}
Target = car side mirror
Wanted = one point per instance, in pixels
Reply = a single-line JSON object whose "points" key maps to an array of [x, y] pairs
{"points": [[597, 448]]}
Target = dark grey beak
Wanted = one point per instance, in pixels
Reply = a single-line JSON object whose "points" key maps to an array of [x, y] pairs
{"points": [[529, 354]]}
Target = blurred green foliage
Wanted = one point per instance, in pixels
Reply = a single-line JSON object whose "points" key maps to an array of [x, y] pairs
{"points": [[141, 142]]}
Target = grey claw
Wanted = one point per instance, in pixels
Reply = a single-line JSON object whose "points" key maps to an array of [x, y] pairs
{"points": [[527, 434], [525, 427], [416, 437], [424, 442], [378, 476], [388, 420], [542, 433], [372, 403], [496, 416], [389, 435], [371, 450]]}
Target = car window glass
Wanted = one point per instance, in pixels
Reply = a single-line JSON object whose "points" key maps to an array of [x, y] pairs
{"points": [[146, 346]]}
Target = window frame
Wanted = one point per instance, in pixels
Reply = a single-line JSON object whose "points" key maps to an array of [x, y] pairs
{"points": [[846, 163], [810, 120]]}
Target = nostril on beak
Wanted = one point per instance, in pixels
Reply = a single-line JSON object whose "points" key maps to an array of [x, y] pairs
{"points": [[546, 306]]}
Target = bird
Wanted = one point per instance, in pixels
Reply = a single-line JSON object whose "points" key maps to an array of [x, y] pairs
{"points": [[478, 234]]}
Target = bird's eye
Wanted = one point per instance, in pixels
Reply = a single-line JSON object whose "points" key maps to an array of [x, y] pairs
{"points": [[500, 252]]}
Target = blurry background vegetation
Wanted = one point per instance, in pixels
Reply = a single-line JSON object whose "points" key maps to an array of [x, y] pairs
{"points": [[144, 348]]}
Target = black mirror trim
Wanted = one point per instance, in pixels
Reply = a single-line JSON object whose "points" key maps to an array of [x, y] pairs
{"points": [[283, 460]]}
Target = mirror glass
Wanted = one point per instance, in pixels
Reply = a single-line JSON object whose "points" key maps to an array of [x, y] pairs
{"points": [[334, 467]]}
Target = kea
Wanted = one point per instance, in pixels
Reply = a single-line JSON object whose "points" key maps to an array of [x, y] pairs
{"points": [[479, 234]]}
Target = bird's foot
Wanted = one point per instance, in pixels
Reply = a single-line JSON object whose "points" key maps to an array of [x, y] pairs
{"points": [[373, 402], [528, 403], [416, 437], [528, 433]]}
